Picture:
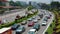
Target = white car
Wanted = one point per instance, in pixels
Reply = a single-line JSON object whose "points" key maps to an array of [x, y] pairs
{"points": [[30, 19], [35, 20], [44, 23], [34, 17], [32, 31], [37, 17], [24, 22], [30, 12]]}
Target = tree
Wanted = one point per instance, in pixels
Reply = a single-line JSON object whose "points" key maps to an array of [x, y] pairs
{"points": [[18, 3], [12, 3], [55, 4], [30, 7]]}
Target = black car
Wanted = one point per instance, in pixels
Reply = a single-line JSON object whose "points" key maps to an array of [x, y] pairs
{"points": [[36, 26], [15, 26], [45, 19], [40, 15]]}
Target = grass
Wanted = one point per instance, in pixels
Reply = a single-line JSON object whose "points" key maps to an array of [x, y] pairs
{"points": [[50, 29]]}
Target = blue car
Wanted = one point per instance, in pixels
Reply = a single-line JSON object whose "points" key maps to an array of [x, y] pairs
{"points": [[36, 26], [15, 26], [20, 30]]}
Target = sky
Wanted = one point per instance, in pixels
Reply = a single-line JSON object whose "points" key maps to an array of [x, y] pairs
{"points": [[41, 1]]}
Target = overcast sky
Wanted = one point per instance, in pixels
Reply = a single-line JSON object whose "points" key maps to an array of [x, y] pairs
{"points": [[43, 1]]}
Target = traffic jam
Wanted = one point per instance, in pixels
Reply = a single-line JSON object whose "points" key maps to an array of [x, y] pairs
{"points": [[31, 25]]}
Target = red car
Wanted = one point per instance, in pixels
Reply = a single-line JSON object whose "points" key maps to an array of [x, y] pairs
{"points": [[30, 23]]}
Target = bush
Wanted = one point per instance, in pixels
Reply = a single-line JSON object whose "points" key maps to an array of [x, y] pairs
{"points": [[1, 12], [46, 32]]}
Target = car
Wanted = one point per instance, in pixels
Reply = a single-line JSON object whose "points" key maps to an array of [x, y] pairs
{"points": [[44, 23], [40, 15], [24, 22], [33, 17], [30, 19], [37, 17], [32, 31], [45, 19], [18, 16], [48, 16], [20, 30], [35, 20], [31, 23], [36, 26], [15, 26]]}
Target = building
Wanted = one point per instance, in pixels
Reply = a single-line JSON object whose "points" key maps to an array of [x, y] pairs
{"points": [[6, 30], [34, 4]]}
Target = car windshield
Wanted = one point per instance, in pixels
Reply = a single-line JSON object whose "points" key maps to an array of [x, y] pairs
{"points": [[44, 22], [30, 23], [15, 25], [45, 18], [20, 28], [31, 32], [36, 25]]}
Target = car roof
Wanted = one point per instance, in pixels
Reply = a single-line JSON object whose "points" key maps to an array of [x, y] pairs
{"points": [[44, 21], [20, 27], [33, 30], [36, 25]]}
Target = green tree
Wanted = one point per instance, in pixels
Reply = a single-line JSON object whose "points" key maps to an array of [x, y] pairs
{"points": [[18, 3], [55, 4], [30, 7], [12, 3]]}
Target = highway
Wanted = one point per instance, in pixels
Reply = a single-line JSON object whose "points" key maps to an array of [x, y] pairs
{"points": [[42, 28], [11, 17]]}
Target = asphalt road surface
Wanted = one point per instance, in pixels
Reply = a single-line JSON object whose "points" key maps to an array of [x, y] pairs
{"points": [[11, 17], [42, 28]]}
